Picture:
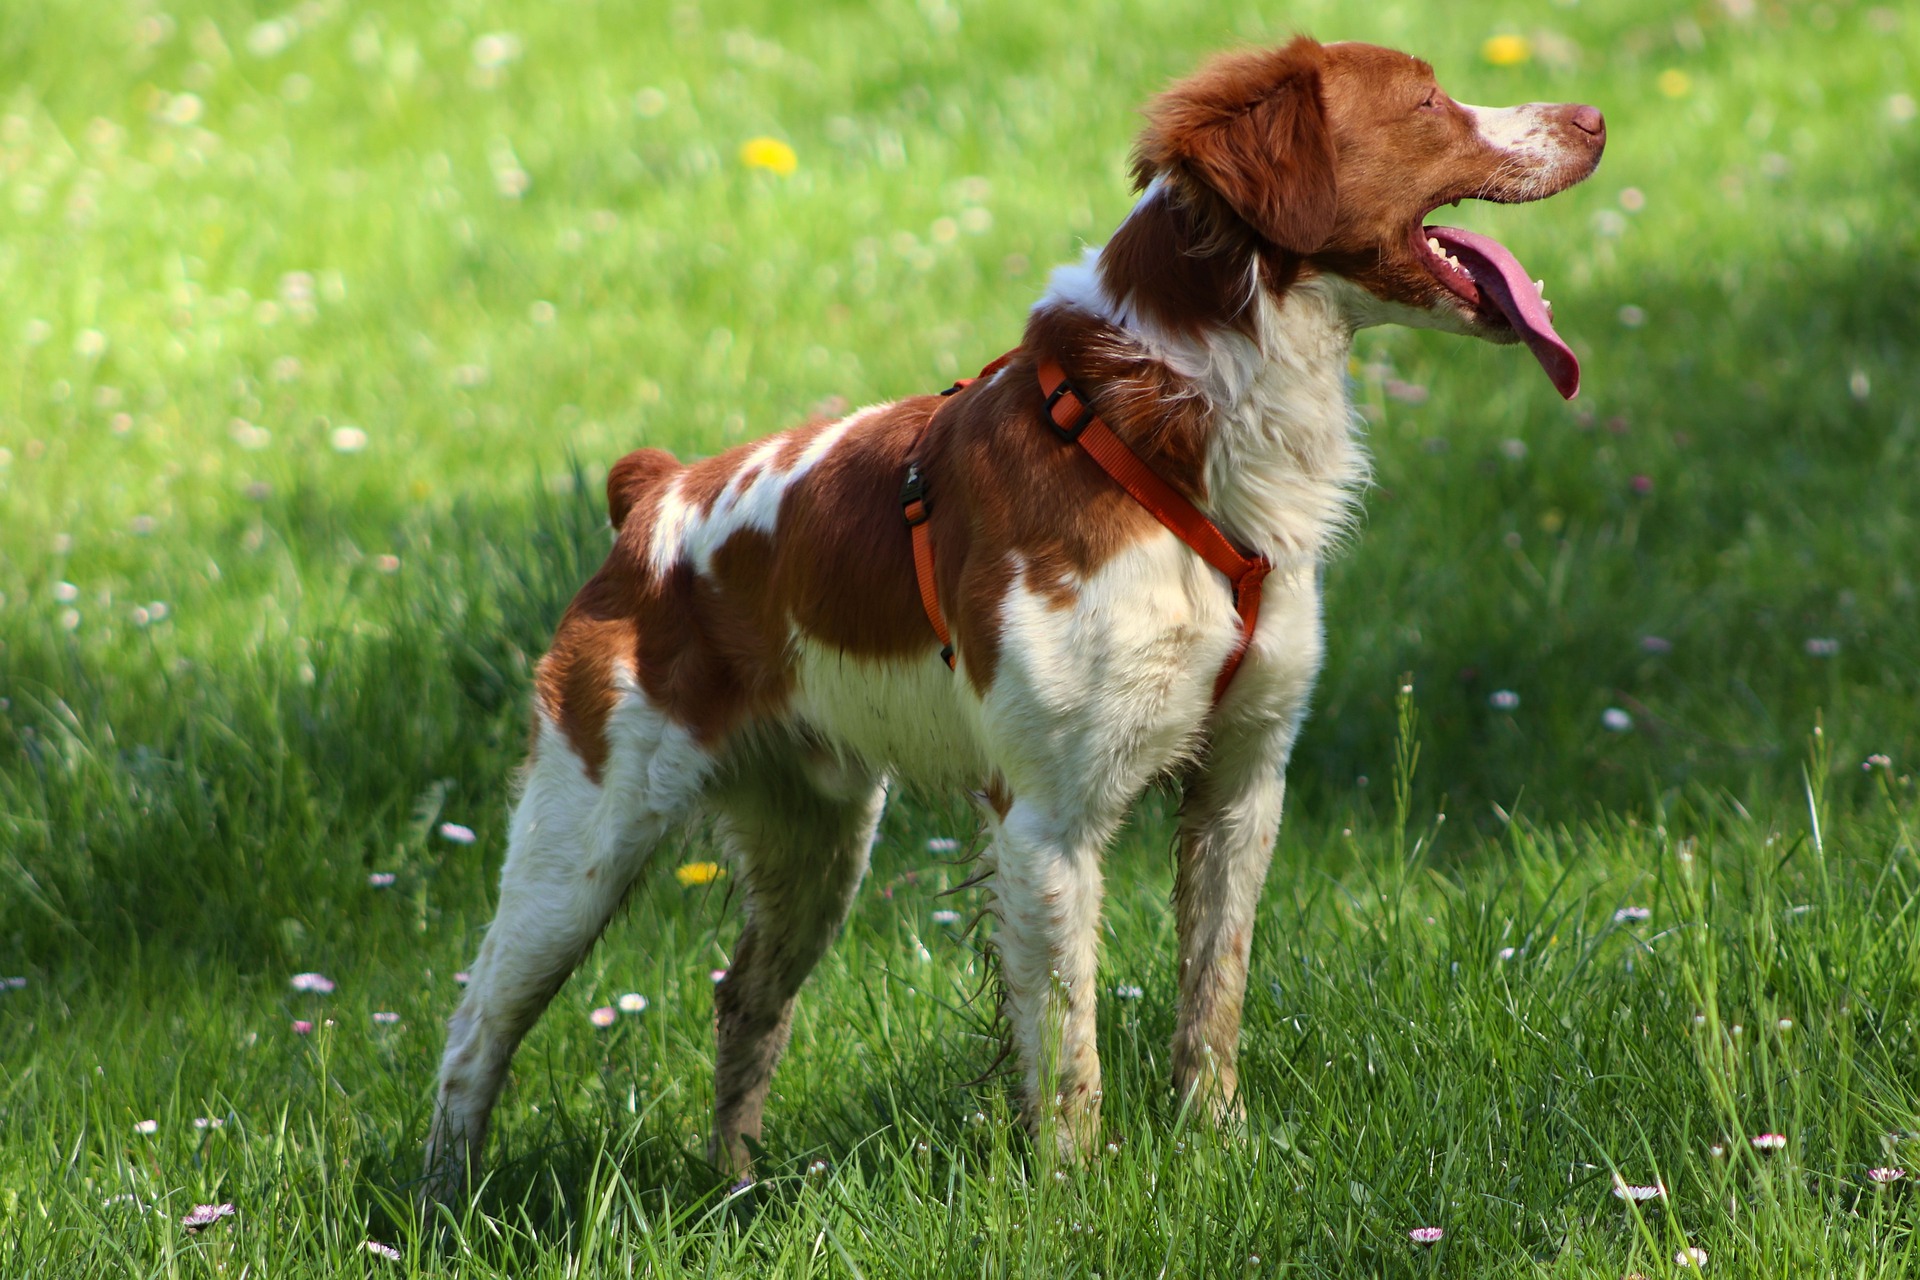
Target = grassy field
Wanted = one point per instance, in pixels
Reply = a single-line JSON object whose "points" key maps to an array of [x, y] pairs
{"points": [[322, 325]]}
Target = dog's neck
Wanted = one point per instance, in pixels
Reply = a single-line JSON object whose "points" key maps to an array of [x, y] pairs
{"points": [[1264, 343]]}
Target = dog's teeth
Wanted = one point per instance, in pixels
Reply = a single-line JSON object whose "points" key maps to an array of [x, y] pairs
{"points": [[1540, 287], [1433, 244]]}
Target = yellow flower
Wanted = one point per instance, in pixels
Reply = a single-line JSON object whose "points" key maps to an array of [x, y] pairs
{"points": [[697, 873], [770, 154], [1674, 82], [1507, 50]]}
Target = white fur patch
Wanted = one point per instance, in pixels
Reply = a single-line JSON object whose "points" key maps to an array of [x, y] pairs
{"points": [[680, 532], [915, 720], [1090, 702], [1522, 132]]}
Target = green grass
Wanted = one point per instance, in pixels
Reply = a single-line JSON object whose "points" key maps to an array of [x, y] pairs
{"points": [[201, 292]]}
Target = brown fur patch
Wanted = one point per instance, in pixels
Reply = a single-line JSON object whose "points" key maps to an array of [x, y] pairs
{"points": [[1251, 127]]}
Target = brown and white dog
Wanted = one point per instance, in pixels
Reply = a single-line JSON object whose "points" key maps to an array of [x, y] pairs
{"points": [[755, 649]]}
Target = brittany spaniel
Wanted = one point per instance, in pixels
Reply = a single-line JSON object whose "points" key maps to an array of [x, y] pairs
{"points": [[757, 648]]}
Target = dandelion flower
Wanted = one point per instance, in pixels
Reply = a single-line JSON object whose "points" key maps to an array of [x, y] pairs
{"points": [[1674, 82], [146, 1126], [456, 833], [603, 1017], [1884, 1176], [632, 1002], [317, 983], [379, 1250], [694, 874], [1768, 1141], [205, 1215], [1426, 1235], [1506, 51], [770, 154]]}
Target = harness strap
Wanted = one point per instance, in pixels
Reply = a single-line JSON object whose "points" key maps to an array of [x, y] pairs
{"points": [[1074, 421], [913, 500]]}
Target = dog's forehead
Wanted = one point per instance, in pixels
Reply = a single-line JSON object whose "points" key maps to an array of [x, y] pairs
{"points": [[1369, 68]]}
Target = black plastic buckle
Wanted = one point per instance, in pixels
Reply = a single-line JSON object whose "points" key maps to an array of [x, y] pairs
{"points": [[1070, 434], [913, 496]]}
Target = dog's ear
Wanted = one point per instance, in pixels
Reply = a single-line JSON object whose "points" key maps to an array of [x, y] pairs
{"points": [[1252, 128]]}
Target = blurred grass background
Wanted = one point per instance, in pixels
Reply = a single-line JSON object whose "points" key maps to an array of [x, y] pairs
{"points": [[323, 324]]}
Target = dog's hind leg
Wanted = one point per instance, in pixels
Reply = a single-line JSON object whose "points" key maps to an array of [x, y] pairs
{"points": [[799, 827], [575, 847]]}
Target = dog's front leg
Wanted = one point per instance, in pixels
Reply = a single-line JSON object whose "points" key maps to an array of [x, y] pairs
{"points": [[1229, 819], [1047, 896]]}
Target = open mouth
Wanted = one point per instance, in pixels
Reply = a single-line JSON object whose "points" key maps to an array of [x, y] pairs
{"points": [[1485, 275]]}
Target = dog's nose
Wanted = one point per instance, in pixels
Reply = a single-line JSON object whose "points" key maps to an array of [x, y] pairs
{"points": [[1588, 120]]}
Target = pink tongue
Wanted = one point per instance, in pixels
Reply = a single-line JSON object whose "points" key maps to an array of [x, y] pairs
{"points": [[1505, 283]]}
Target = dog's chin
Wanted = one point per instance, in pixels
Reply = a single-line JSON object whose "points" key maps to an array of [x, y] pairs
{"points": [[1428, 307]]}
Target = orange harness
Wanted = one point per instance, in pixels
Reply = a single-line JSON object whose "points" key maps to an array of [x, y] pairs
{"points": [[1075, 422]]}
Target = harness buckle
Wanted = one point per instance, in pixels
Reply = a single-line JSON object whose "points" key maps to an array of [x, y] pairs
{"points": [[913, 496], [1071, 433]]}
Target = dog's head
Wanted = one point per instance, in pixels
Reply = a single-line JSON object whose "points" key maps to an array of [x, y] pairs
{"points": [[1335, 154]]}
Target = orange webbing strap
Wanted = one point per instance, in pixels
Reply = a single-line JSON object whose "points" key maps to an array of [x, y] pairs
{"points": [[913, 499], [1074, 420]]}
